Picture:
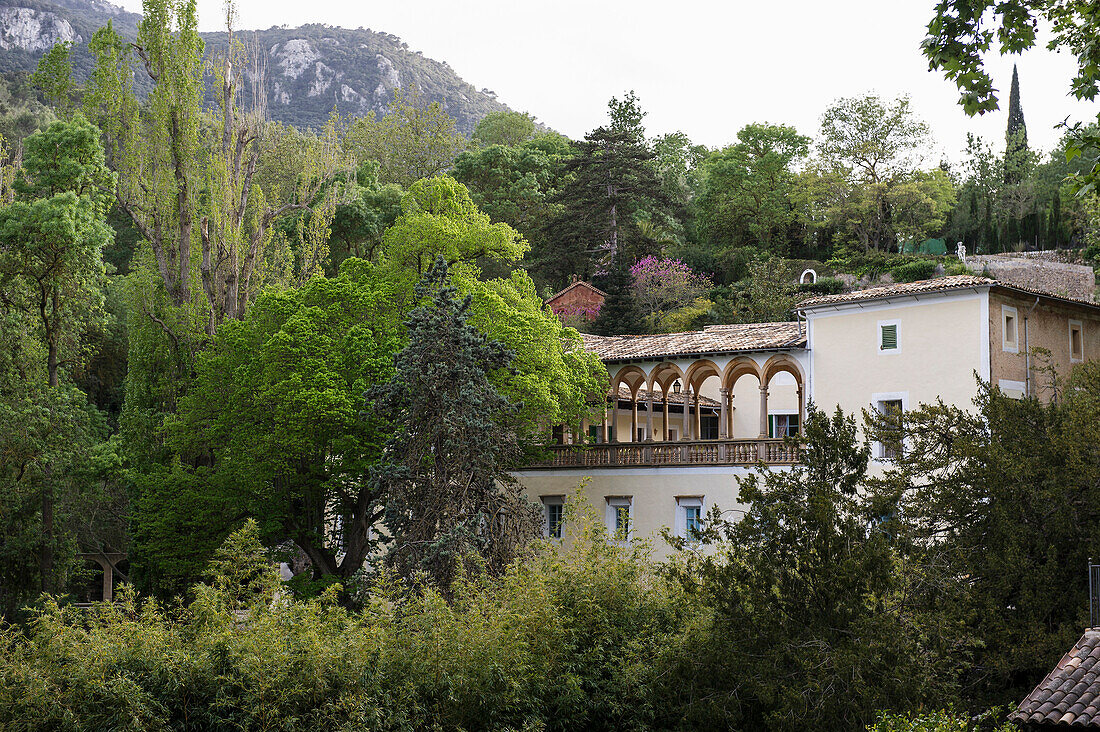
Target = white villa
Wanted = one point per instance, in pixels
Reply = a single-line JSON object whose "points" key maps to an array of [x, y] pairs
{"points": [[688, 412]]}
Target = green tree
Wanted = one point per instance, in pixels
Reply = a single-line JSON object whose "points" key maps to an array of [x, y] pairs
{"points": [[1003, 498], [1015, 133], [276, 405], [504, 127], [747, 189], [51, 282], [199, 195], [54, 76], [810, 615], [516, 184], [554, 376], [960, 33], [448, 493], [413, 140], [871, 152], [611, 186]]}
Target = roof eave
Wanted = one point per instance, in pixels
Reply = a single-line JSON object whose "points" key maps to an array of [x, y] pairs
{"points": [[855, 304]]}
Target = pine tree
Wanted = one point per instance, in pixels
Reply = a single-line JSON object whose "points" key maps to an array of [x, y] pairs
{"points": [[620, 313], [612, 185], [444, 475], [1016, 150]]}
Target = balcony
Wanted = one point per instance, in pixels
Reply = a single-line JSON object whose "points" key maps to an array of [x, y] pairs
{"points": [[682, 453]]}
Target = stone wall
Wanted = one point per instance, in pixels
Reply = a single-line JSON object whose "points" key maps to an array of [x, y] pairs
{"points": [[1044, 271]]}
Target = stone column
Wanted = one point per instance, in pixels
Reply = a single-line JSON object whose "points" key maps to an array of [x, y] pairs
{"points": [[687, 430], [615, 415], [603, 424], [723, 420], [633, 416], [801, 409], [763, 410], [698, 419], [664, 398], [649, 416]]}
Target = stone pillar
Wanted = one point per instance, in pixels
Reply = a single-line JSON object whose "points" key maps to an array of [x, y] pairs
{"points": [[664, 399], [633, 416], [801, 409], [108, 581], [584, 429], [615, 415], [723, 420], [649, 416], [698, 419], [603, 424], [763, 410], [686, 434]]}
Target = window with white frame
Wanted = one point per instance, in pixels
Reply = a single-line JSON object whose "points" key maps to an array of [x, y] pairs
{"points": [[891, 410], [783, 423], [1010, 329], [689, 517], [553, 513], [1076, 341], [889, 336], [620, 518]]}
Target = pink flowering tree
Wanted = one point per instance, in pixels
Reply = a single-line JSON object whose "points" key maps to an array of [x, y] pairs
{"points": [[669, 293]]}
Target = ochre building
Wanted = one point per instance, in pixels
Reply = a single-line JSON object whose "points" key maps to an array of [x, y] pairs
{"points": [[687, 413]]}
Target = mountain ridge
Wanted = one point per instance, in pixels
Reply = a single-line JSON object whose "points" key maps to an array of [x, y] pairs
{"points": [[310, 70]]}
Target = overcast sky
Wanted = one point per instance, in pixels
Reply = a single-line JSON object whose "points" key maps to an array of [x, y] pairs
{"points": [[706, 68]]}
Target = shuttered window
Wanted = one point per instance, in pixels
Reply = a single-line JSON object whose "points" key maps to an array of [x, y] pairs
{"points": [[889, 337]]}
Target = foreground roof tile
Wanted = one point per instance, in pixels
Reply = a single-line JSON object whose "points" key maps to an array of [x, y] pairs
{"points": [[1069, 696], [712, 339]]}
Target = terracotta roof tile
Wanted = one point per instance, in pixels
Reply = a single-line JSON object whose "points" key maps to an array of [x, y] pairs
{"points": [[712, 339], [939, 284], [1070, 694], [578, 283], [673, 398], [954, 282]]}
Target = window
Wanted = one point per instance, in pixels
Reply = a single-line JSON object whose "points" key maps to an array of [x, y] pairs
{"points": [[888, 336], [1076, 341], [553, 510], [619, 518], [708, 425], [558, 435], [641, 434], [689, 517], [673, 434], [782, 425], [892, 410], [1010, 336], [595, 433]]}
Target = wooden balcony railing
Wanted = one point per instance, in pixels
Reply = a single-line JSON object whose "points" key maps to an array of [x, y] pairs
{"points": [[690, 452]]}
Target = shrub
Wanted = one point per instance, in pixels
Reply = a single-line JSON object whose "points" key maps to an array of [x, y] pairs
{"points": [[920, 269], [823, 286]]}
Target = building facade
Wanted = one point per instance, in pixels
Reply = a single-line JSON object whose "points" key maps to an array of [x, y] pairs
{"points": [[689, 413]]}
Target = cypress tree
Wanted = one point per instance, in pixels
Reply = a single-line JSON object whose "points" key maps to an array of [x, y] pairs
{"points": [[1016, 134], [1054, 221]]}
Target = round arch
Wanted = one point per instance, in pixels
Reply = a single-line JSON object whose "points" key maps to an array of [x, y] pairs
{"points": [[738, 367], [664, 374], [782, 362], [632, 376], [699, 372]]}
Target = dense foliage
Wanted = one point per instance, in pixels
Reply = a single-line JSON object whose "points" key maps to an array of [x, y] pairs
{"points": [[337, 338]]}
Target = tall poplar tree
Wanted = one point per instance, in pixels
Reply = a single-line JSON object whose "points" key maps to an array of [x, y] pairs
{"points": [[212, 212]]}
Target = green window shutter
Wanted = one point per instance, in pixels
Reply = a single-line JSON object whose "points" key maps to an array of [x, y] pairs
{"points": [[889, 337]]}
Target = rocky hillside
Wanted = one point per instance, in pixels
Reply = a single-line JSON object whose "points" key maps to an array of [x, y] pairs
{"points": [[309, 70]]}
